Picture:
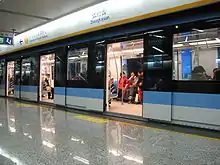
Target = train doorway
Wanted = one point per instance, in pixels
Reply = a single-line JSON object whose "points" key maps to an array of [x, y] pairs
{"points": [[10, 91], [46, 92], [124, 80]]}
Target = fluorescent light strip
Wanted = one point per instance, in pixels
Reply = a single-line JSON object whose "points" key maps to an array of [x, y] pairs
{"points": [[156, 31], [201, 31], [157, 49]]}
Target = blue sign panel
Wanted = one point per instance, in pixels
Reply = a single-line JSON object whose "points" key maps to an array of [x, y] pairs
{"points": [[6, 40]]}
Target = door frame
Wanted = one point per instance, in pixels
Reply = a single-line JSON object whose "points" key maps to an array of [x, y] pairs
{"points": [[117, 40], [39, 77], [6, 80]]}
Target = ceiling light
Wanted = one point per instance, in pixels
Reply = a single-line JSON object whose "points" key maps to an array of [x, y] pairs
{"points": [[157, 49], [155, 31], [158, 36], [178, 45], [201, 31]]}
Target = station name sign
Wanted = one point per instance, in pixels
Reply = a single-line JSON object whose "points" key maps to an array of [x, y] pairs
{"points": [[5, 40]]}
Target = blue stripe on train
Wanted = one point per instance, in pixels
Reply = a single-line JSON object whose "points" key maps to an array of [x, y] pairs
{"points": [[183, 99], [197, 100], [60, 91], [26, 88], [85, 92], [153, 97]]}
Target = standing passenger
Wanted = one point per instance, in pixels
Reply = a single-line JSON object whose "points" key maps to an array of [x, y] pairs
{"points": [[121, 84]]}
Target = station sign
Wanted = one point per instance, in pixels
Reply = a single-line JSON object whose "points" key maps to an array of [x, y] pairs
{"points": [[5, 40]]}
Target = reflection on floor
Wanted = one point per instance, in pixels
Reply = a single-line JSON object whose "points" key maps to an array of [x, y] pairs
{"points": [[39, 135], [47, 100], [125, 108]]}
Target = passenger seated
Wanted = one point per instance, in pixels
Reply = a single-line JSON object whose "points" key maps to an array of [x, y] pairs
{"points": [[217, 75], [127, 86], [199, 73], [132, 91]]}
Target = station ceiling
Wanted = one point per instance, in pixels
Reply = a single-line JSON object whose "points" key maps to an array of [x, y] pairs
{"points": [[23, 15]]}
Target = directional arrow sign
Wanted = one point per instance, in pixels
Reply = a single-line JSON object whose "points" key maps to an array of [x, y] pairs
{"points": [[6, 40]]}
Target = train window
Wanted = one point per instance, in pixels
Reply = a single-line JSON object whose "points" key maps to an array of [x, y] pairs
{"points": [[17, 72], [96, 65], [77, 64], [2, 73], [158, 60], [29, 71], [196, 55], [60, 68], [2, 77]]}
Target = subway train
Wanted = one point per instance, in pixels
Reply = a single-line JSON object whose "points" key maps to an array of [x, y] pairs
{"points": [[163, 60]]}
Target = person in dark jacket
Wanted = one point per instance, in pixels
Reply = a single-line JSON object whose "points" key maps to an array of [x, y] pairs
{"points": [[199, 73]]}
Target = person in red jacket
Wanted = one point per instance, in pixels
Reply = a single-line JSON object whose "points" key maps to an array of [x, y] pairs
{"points": [[121, 84]]}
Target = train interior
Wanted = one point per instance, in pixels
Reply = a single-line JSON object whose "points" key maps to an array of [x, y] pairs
{"points": [[47, 63], [10, 78], [192, 50], [125, 77]]}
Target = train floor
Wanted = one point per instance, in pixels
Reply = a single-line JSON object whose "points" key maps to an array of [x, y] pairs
{"points": [[32, 134]]}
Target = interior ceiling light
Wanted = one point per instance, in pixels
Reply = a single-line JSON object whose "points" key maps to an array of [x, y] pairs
{"points": [[157, 49], [198, 30], [213, 20], [155, 31]]}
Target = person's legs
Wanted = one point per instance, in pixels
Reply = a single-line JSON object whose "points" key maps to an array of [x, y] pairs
{"points": [[140, 95], [119, 93]]}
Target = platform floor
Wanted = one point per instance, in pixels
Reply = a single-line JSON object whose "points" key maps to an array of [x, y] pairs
{"points": [[39, 135]]}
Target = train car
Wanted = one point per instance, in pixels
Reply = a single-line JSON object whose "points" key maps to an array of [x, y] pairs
{"points": [[138, 59]]}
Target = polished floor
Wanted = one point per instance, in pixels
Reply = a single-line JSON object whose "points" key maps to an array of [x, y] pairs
{"points": [[40, 135]]}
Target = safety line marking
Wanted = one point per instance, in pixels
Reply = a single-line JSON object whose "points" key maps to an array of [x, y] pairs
{"points": [[101, 120], [91, 119]]}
